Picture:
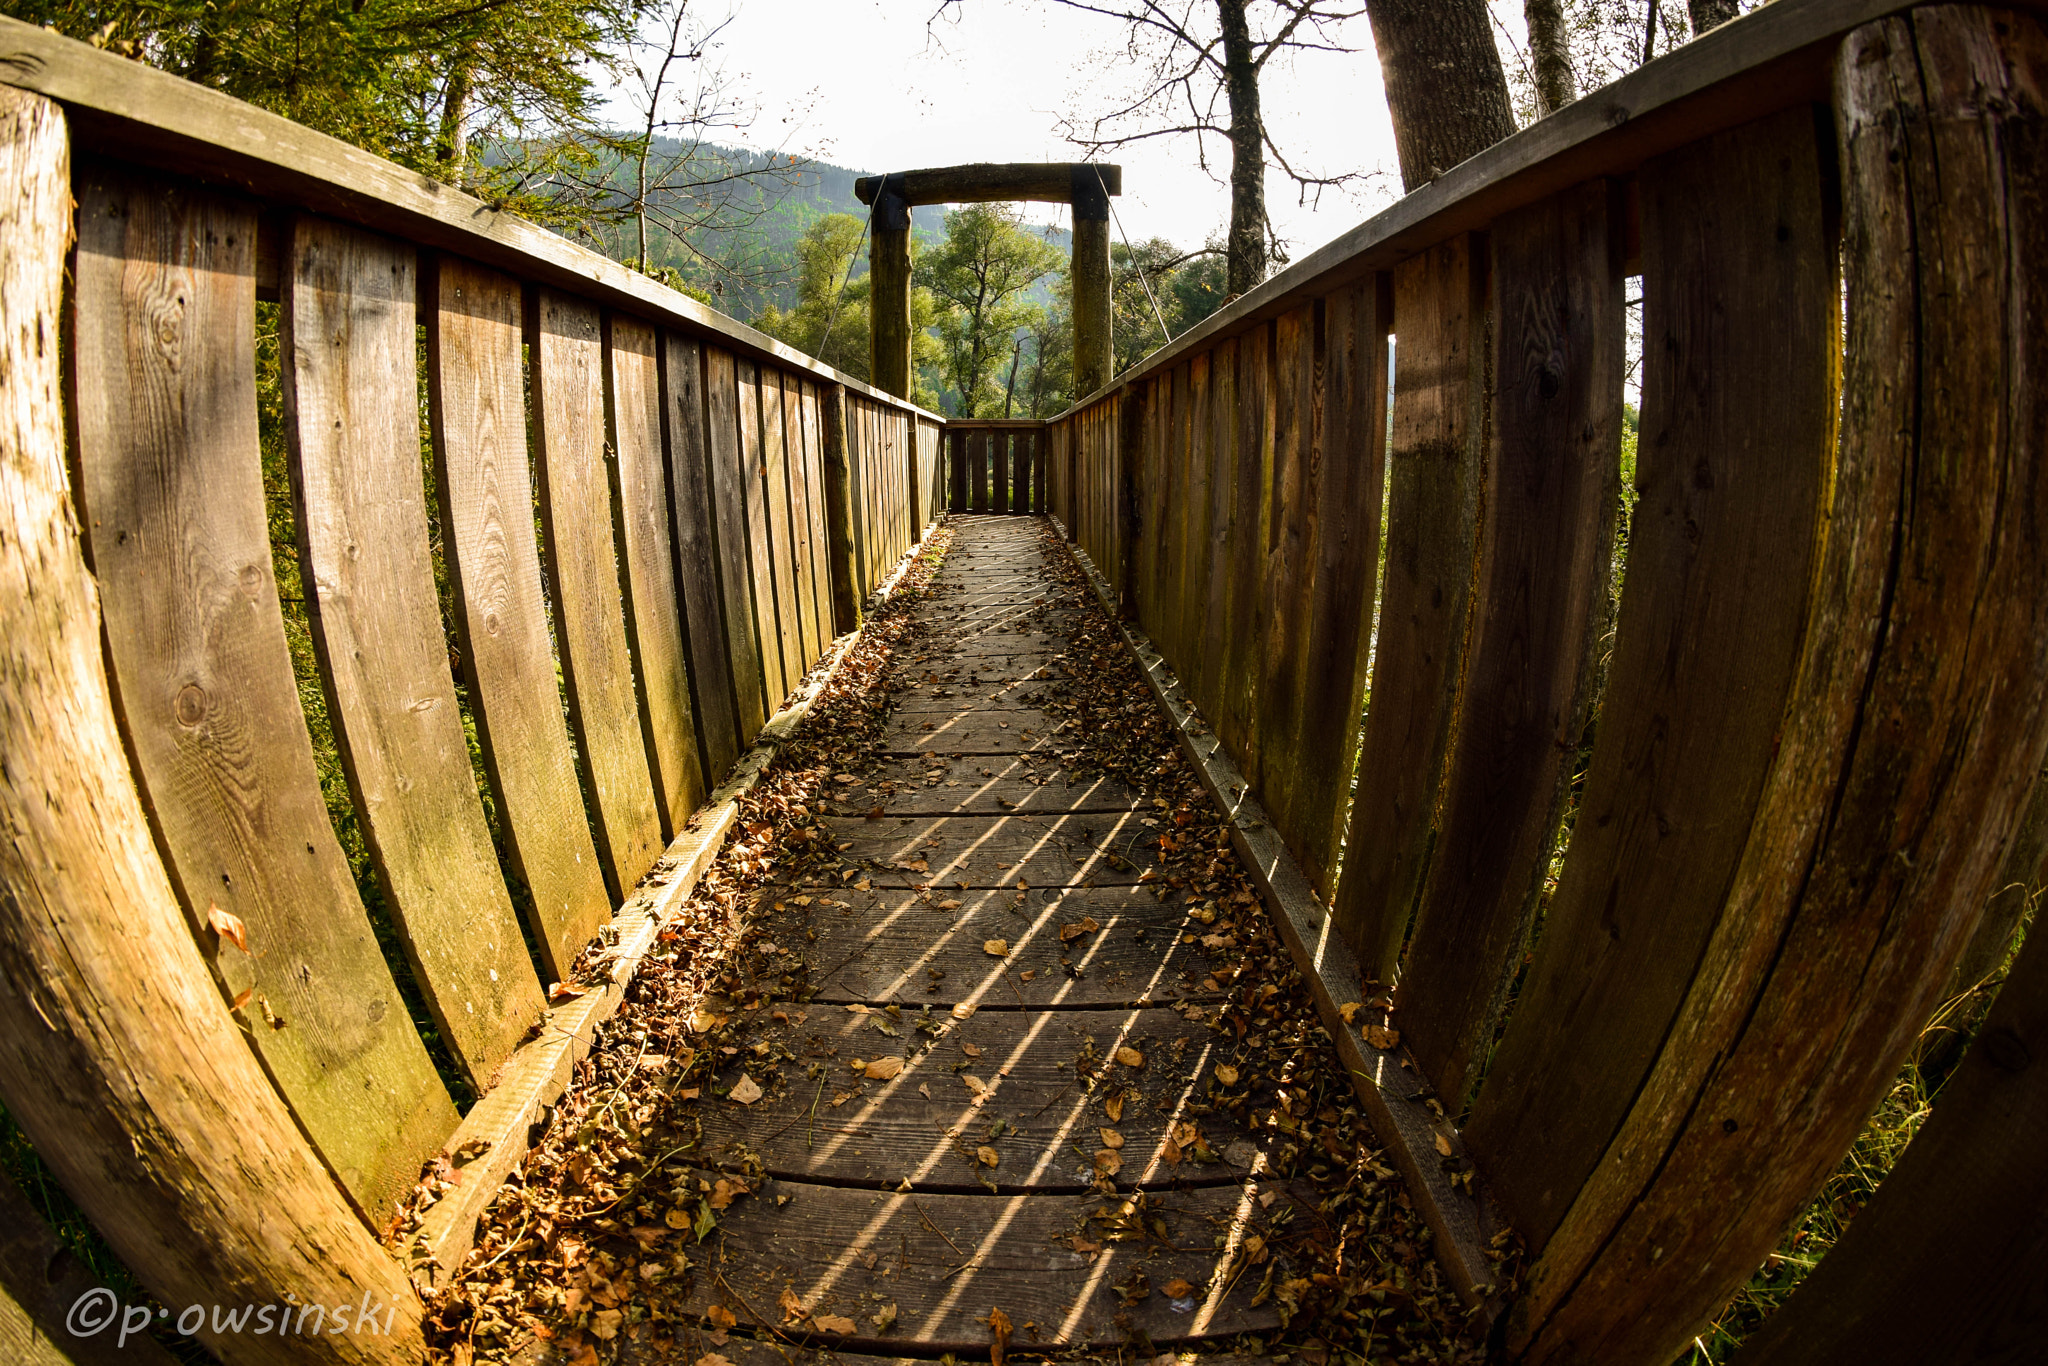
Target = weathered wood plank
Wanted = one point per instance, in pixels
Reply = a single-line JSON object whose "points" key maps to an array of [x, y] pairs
{"points": [[1916, 725], [699, 574], [760, 548], [122, 1064], [351, 399], [807, 484], [1545, 553], [1309, 794], [566, 356], [944, 1258], [171, 492], [978, 460], [1105, 850], [1437, 468], [1293, 516], [1738, 434], [723, 405], [968, 731], [654, 619], [774, 483], [477, 418], [956, 467], [938, 785], [880, 946], [841, 520], [1944, 1265], [1217, 450], [1251, 452], [927, 1121]]}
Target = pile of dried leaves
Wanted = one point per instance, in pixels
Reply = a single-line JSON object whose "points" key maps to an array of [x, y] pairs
{"points": [[592, 1242]]}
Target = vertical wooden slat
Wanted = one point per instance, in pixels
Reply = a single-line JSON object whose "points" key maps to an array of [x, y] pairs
{"points": [[978, 467], [956, 456], [654, 623], [723, 404], [1219, 562], [171, 487], [819, 601], [1544, 555], [1293, 508], [118, 1057], [842, 542], [1191, 525], [1308, 764], [698, 554], [566, 355], [477, 417], [1740, 307], [774, 483], [760, 549], [1250, 446], [1437, 465], [1917, 722], [351, 392]]}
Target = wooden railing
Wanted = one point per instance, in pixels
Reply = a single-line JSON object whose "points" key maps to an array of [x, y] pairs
{"points": [[644, 523], [995, 465], [1664, 989]]}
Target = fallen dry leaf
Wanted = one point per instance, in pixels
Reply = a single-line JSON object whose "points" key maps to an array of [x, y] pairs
{"points": [[1108, 1162], [721, 1317], [999, 1328], [712, 1359], [884, 1318], [562, 991], [1130, 1057], [987, 1155], [882, 1069], [996, 948], [834, 1323], [1114, 1106], [1177, 1289], [228, 927], [746, 1090], [1443, 1145], [792, 1307], [972, 1050], [974, 1083], [964, 1010], [1084, 926], [1227, 1074], [1379, 1036], [1027, 974], [1111, 1138], [1349, 1009]]}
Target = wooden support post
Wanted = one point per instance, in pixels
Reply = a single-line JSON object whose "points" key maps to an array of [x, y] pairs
{"points": [[1094, 362], [889, 269], [839, 514]]}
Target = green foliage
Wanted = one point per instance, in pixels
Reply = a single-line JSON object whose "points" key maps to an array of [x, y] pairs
{"points": [[830, 317], [981, 274], [418, 81], [1185, 286]]}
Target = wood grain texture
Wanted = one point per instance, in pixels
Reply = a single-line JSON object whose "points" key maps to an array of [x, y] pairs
{"points": [[1050, 850], [1437, 467], [1945, 1265], [926, 1122], [722, 403], [1007, 1254], [841, 542], [699, 567], [807, 487], [477, 419], [1312, 800], [1216, 447], [1545, 555], [956, 470], [1251, 454], [886, 945], [773, 474], [1191, 520], [566, 355], [171, 493], [118, 1057], [1917, 722], [936, 785], [351, 398], [647, 569], [755, 386], [1740, 304]]}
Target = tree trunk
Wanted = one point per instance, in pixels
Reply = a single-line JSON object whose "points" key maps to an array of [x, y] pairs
{"points": [[1445, 86], [1551, 52], [1247, 240], [454, 140], [1708, 14]]}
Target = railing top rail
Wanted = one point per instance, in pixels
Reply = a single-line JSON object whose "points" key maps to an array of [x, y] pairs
{"points": [[1772, 59], [124, 109], [965, 422]]}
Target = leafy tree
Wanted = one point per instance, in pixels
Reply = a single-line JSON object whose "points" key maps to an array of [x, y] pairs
{"points": [[980, 274], [1184, 287], [830, 318]]}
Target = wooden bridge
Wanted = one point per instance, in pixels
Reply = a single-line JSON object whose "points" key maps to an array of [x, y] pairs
{"points": [[1627, 1012]]}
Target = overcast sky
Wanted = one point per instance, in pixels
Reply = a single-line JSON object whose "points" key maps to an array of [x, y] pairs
{"points": [[992, 83]]}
